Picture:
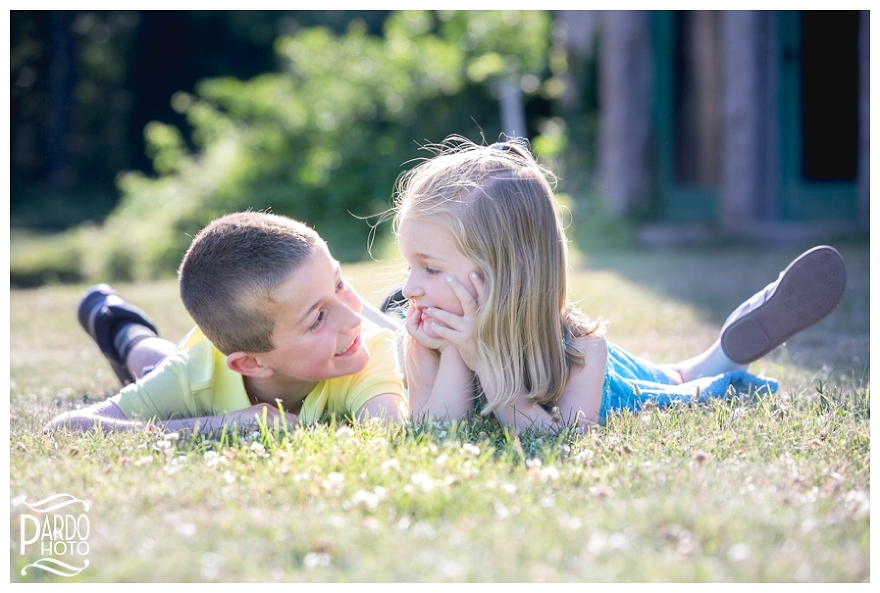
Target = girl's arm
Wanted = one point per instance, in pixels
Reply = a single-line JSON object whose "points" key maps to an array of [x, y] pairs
{"points": [[581, 399], [385, 407], [108, 417], [458, 330], [438, 381], [440, 385]]}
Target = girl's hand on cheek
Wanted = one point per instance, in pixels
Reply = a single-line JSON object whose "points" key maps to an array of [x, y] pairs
{"points": [[460, 330], [415, 327]]}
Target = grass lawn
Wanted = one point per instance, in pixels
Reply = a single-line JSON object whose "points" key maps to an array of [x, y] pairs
{"points": [[773, 489]]}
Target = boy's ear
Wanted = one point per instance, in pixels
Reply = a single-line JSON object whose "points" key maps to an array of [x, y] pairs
{"points": [[247, 364]]}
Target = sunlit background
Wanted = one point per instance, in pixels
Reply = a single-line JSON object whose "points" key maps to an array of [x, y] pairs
{"points": [[131, 130]]}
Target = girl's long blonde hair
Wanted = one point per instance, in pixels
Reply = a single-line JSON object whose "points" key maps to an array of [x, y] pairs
{"points": [[499, 206]]}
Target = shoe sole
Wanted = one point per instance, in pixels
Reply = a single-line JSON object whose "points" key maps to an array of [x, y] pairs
{"points": [[808, 291]]}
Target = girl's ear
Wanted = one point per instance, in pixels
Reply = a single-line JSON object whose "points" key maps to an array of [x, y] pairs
{"points": [[248, 365]]}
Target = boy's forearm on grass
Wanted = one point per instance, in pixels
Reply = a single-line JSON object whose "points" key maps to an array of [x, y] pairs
{"points": [[108, 417]]}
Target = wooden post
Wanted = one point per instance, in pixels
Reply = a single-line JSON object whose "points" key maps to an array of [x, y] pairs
{"points": [[624, 110]]}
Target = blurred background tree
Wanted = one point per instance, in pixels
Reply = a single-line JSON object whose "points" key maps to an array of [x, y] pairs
{"points": [[150, 124]]}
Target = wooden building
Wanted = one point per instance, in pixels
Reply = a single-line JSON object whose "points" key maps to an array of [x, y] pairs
{"points": [[733, 124]]}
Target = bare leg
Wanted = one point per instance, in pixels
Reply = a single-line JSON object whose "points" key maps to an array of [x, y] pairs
{"points": [[803, 294], [146, 354], [711, 362]]}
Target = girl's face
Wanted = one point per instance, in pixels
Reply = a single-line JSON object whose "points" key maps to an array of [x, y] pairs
{"points": [[432, 254]]}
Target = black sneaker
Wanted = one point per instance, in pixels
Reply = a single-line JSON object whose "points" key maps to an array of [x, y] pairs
{"points": [[102, 313]]}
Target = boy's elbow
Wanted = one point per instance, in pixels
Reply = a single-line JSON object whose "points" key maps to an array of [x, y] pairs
{"points": [[72, 423], [101, 417]]}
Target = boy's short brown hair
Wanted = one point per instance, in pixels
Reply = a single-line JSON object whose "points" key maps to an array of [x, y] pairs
{"points": [[230, 271]]}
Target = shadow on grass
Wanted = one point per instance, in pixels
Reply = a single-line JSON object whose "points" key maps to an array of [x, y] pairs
{"points": [[714, 281]]}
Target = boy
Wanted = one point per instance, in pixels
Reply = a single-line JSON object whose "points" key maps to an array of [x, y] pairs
{"points": [[276, 325]]}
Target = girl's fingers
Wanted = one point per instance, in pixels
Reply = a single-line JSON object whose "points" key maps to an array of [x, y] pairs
{"points": [[479, 286], [450, 319], [450, 335], [468, 304]]}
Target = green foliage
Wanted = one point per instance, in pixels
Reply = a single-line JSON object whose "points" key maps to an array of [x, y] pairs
{"points": [[35, 261], [324, 139]]}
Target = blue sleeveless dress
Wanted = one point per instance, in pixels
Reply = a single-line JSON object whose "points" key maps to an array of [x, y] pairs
{"points": [[631, 381]]}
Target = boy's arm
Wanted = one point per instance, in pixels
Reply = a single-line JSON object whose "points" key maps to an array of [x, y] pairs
{"points": [[108, 417], [105, 416]]}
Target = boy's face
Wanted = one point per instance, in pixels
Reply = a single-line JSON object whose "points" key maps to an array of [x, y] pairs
{"points": [[317, 331], [432, 254]]}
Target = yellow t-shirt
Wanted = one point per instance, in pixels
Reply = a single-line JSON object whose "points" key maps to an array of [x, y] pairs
{"points": [[194, 381]]}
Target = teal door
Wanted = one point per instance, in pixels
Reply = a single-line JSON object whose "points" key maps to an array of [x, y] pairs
{"points": [[818, 114], [686, 117]]}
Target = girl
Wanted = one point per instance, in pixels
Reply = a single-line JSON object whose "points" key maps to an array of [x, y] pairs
{"points": [[489, 316]]}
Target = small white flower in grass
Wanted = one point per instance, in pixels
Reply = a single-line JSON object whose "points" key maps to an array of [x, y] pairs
{"points": [[597, 542], [143, 460], [259, 449], [858, 503], [802, 574], [549, 473], [213, 459], [172, 436], [501, 511], [316, 559], [442, 459], [333, 481], [368, 499], [337, 521], [423, 529], [372, 525], [618, 541], [569, 523], [423, 481], [533, 463], [390, 464], [739, 552], [211, 564], [600, 491], [185, 529], [471, 449], [229, 477]]}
